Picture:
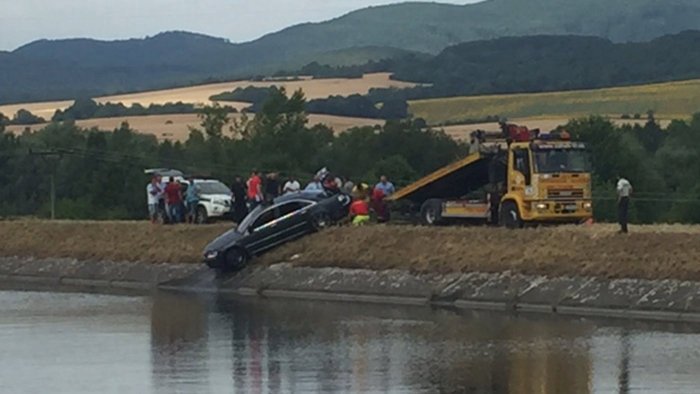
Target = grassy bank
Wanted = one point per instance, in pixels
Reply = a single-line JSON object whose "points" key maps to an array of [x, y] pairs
{"points": [[113, 241], [650, 252], [668, 100]]}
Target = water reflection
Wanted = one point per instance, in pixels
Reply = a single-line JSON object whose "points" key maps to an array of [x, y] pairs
{"points": [[179, 336], [329, 347], [219, 345]]}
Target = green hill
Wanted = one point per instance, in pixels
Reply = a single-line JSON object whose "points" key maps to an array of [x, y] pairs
{"points": [[430, 27], [61, 69], [551, 63]]}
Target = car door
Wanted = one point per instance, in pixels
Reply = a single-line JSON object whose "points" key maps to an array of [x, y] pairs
{"points": [[293, 219], [262, 232]]}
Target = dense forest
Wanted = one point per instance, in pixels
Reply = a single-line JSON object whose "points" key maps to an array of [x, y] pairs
{"points": [[90, 109], [68, 69], [99, 174], [354, 105], [551, 63]]}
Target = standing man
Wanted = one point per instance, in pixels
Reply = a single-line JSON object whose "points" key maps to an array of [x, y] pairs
{"points": [[291, 186], [240, 208], [255, 191], [314, 186], [624, 191], [192, 201], [272, 187], [173, 194], [385, 186], [154, 191]]}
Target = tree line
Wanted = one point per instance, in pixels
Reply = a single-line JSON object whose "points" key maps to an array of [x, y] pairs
{"points": [[355, 105], [99, 174]]}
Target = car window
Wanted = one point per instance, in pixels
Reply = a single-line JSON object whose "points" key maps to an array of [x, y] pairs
{"points": [[293, 206], [264, 219], [277, 212]]}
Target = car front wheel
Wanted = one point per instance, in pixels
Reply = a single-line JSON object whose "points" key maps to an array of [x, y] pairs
{"points": [[235, 260]]}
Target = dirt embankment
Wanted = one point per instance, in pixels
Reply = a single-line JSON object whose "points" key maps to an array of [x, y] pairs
{"points": [[650, 252], [112, 241]]}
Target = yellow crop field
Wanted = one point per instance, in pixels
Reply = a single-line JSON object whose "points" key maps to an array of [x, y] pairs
{"points": [[176, 127], [463, 132], [667, 100], [313, 89]]}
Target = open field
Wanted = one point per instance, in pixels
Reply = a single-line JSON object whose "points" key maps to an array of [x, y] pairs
{"points": [[176, 127], [313, 88], [667, 100], [649, 252], [463, 132]]}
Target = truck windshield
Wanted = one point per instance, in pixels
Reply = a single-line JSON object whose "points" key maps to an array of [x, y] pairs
{"points": [[561, 160]]}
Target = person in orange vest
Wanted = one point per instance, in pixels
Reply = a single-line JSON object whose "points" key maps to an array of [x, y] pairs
{"points": [[359, 211]]}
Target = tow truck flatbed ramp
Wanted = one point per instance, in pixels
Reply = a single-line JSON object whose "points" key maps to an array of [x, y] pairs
{"points": [[452, 181]]}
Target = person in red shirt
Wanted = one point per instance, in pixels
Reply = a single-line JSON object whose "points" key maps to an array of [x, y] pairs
{"points": [[173, 199], [359, 212], [379, 205], [255, 193]]}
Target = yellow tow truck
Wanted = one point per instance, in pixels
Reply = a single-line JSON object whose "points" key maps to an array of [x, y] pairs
{"points": [[511, 178]]}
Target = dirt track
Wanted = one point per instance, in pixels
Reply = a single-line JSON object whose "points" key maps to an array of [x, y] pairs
{"points": [[649, 252]]}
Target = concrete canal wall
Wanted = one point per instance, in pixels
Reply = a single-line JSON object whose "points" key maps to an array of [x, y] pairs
{"points": [[628, 298]]}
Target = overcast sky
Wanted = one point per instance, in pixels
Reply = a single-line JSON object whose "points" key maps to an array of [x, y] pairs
{"points": [[23, 21]]}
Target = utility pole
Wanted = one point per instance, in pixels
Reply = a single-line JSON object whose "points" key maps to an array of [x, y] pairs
{"points": [[53, 195], [46, 155]]}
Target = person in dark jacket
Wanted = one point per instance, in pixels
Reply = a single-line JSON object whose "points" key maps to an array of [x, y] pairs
{"points": [[240, 206]]}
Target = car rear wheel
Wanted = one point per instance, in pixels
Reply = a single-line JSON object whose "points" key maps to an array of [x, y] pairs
{"points": [[202, 217], [320, 221], [431, 213], [235, 260], [510, 216]]}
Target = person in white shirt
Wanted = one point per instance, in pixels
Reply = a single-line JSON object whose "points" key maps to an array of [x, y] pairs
{"points": [[154, 193], [291, 186], [624, 191]]}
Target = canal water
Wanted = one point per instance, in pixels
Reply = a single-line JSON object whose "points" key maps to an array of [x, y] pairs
{"points": [[183, 343]]}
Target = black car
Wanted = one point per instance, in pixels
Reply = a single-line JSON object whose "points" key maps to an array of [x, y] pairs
{"points": [[267, 226]]}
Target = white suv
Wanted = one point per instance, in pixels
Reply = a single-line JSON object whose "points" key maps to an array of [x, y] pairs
{"points": [[214, 199]]}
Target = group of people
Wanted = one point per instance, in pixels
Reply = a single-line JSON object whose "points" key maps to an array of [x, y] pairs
{"points": [[172, 202], [263, 188], [176, 201]]}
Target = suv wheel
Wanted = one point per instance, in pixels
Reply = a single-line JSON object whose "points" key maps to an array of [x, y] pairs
{"points": [[202, 217]]}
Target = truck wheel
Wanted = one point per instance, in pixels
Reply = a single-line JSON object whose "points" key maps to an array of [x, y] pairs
{"points": [[431, 212], [235, 260], [202, 217], [510, 216]]}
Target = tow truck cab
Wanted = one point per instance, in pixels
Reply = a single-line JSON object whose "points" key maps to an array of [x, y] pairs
{"points": [[510, 178]]}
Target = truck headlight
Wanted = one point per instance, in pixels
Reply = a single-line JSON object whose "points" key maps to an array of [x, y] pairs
{"points": [[541, 206], [587, 206]]}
